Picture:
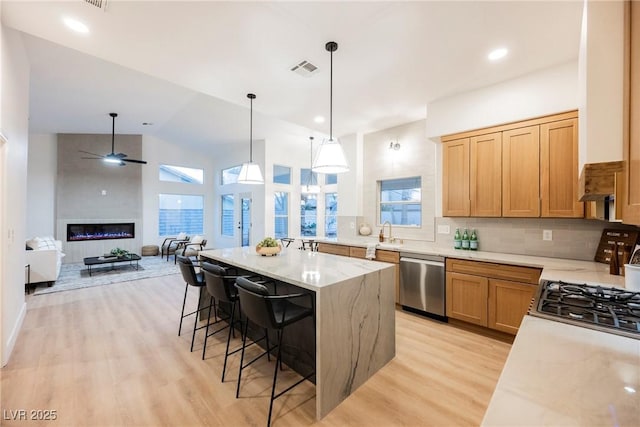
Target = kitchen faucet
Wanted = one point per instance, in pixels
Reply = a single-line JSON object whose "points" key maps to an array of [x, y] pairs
{"points": [[391, 239]]}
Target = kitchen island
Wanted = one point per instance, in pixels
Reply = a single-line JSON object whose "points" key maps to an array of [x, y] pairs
{"points": [[354, 306]]}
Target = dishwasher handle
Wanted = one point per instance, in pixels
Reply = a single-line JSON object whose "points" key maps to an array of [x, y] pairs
{"points": [[423, 261]]}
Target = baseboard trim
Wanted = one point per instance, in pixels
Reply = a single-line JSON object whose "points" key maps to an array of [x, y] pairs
{"points": [[13, 337]]}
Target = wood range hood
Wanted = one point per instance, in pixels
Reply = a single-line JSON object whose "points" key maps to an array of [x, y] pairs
{"points": [[598, 180]]}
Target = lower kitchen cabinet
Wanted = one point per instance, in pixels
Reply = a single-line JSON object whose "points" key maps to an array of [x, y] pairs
{"points": [[392, 257], [467, 298], [508, 303], [491, 295]]}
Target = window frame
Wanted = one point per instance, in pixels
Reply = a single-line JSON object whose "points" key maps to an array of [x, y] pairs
{"points": [[189, 231], [222, 212], [276, 215], [400, 202]]}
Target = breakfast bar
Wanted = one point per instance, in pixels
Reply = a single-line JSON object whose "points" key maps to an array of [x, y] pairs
{"points": [[355, 312]]}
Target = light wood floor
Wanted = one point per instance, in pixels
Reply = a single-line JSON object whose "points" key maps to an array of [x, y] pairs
{"points": [[110, 356]]}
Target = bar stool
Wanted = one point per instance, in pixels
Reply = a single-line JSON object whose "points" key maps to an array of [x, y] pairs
{"points": [[196, 280], [220, 286], [270, 311]]}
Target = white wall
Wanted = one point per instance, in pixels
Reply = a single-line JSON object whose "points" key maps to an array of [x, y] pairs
{"points": [[14, 124], [416, 157], [41, 184], [601, 82], [548, 91]]}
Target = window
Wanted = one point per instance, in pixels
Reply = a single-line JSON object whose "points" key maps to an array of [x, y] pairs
{"points": [[308, 214], [281, 213], [304, 177], [181, 174], [400, 201], [281, 174], [180, 213], [330, 215], [227, 215], [331, 178], [230, 175]]}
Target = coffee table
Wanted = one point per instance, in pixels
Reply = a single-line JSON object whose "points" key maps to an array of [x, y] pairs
{"points": [[99, 260]]}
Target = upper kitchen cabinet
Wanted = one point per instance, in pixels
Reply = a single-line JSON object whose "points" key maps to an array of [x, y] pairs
{"points": [[525, 169], [455, 185], [558, 177], [631, 146], [521, 172]]}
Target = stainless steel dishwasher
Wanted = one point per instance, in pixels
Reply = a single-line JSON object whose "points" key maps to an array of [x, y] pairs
{"points": [[422, 286]]}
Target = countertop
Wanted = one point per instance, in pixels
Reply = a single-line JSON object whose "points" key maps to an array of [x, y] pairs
{"points": [[307, 269], [560, 374], [567, 270]]}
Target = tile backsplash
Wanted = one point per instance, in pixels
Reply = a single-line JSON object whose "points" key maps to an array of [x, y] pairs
{"points": [[571, 238]]}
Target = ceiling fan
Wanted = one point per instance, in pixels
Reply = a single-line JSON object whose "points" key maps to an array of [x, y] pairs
{"points": [[113, 157]]}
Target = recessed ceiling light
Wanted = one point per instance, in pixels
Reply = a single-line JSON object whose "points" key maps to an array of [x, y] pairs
{"points": [[318, 119], [76, 25], [496, 54]]}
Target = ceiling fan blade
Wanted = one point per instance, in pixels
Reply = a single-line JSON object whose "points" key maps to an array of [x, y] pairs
{"points": [[120, 155], [93, 154], [142, 162], [92, 158]]}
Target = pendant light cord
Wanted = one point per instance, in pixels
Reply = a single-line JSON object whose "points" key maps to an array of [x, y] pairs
{"points": [[331, 98], [310, 180], [113, 131], [251, 96]]}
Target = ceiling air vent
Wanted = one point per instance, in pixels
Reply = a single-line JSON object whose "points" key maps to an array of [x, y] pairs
{"points": [[100, 4], [304, 68]]}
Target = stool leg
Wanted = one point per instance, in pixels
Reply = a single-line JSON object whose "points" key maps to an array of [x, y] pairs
{"points": [[244, 344], [184, 301], [206, 333], [195, 322], [275, 376], [226, 352]]}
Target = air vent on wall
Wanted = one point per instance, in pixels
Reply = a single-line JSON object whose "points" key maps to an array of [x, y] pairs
{"points": [[100, 4], [304, 68]]}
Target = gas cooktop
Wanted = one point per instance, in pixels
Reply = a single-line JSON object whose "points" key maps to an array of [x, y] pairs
{"points": [[607, 309]]}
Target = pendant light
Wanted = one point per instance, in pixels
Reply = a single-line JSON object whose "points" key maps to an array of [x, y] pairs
{"points": [[250, 172], [310, 187], [330, 157]]}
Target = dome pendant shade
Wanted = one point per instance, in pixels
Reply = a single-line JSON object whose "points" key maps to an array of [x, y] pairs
{"points": [[250, 172], [330, 158]]}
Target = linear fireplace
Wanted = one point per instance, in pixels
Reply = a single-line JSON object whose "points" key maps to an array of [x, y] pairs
{"points": [[80, 232]]}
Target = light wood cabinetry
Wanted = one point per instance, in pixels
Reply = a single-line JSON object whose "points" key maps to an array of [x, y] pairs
{"points": [[523, 169], [521, 172], [558, 180], [495, 296], [631, 144], [485, 186], [455, 188], [392, 257]]}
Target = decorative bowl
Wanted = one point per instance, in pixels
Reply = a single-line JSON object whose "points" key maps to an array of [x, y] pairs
{"points": [[268, 251]]}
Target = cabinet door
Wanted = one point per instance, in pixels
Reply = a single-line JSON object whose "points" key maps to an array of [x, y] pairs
{"points": [[455, 178], [508, 303], [631, 146], [467, 298], [559, 170], [485, 173], [330, 248], [521, 172]]}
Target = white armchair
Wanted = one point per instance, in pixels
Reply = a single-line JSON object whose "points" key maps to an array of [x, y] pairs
{"points": [[45, 259]]}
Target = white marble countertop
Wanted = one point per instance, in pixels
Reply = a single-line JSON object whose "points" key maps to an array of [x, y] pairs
{"points": [[561, 374], [552, 268], [307, 269]]}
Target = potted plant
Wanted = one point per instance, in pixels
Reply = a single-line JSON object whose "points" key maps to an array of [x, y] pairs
{"points": [[268, 247], [120, 253]]}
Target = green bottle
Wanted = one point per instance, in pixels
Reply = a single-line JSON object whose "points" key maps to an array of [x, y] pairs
{"points": [[473, 241], [465, 239], [457, 240]]}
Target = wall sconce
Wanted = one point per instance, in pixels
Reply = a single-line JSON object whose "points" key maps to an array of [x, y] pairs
{"points": [[394, 145]]}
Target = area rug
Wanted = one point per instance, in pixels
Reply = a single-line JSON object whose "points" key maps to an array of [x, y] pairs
{"points": [[76, 275]]}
